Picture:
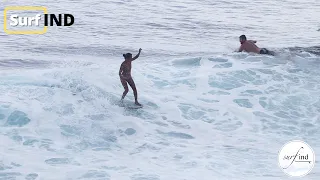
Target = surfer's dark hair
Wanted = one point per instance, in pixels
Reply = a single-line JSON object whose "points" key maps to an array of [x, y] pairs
{"points": [[243, 37], [127, 55]]}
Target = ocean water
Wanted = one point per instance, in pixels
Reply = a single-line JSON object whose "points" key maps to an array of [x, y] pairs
{"points": [[209, 113]]}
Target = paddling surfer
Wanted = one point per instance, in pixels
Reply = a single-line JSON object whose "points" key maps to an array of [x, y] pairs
{"points": [[251, 47]]}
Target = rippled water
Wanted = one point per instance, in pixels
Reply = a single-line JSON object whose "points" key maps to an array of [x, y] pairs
{"points": [[208, 113]]}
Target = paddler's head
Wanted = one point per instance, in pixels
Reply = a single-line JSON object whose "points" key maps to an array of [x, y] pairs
{"points": [[242, 39]]}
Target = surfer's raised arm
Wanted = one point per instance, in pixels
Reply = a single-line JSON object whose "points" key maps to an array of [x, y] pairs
{"points": [[136, 57]]}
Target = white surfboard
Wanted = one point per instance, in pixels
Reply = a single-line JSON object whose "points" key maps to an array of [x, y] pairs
{"points": [[129, 105]]}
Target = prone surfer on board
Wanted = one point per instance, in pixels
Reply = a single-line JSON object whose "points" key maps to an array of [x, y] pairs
{"points": [[250, 46], [125, 76]]}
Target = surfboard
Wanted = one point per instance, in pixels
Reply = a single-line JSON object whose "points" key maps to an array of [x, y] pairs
{"points": [[128, 105], [133, 107]]}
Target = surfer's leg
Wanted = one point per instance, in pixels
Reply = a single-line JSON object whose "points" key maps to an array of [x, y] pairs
{"points": [[263, 51], [126, 89], [272, 53], [266, 51], [135, 93]]}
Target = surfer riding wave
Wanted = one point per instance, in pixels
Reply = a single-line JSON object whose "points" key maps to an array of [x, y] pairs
{"points": [[126, 78]]}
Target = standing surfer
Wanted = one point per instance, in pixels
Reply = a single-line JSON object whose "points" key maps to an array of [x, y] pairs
{"points": [[126, 78]]}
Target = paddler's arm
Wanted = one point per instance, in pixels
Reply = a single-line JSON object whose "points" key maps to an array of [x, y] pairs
{"points": [[240, 49], [136, 57]]}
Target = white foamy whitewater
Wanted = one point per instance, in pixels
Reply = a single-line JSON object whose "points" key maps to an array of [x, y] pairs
{"points": [[209, 113]]}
